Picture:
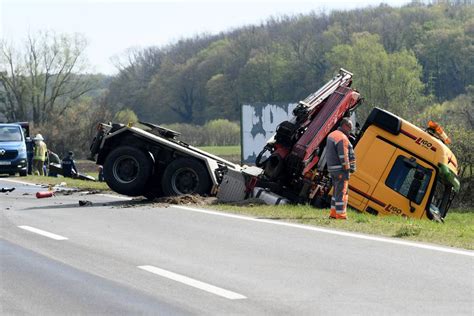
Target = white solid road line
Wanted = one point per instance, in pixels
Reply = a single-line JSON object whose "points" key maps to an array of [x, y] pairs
{"points": [[21, 182], [333, 232], [115, 196], [194, 283], [43, 233]]}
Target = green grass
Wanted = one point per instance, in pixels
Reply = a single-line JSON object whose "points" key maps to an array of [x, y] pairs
{"points": [[457, 231], [71, 183], [222, 150]]}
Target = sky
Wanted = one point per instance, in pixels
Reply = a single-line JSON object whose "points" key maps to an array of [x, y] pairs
{"points": [[113, 26]]}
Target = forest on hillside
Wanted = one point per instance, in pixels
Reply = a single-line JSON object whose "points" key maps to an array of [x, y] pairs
{"points": [[404, 59]]}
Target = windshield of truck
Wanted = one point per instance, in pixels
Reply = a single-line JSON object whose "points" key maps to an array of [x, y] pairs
{"points": [[441, 200], [401, 177], [10, 134]]}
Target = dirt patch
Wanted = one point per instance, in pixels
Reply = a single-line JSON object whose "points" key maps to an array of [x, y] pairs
{"points": [[248, 202], [186, 199]]}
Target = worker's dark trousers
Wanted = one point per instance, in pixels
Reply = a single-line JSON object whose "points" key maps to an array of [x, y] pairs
{"points": [[340, 183]]}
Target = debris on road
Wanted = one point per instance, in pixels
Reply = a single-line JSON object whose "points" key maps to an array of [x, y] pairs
{"points": [[92, 192], [85, 203], [44, 194], [66, 192], [4, 190]]}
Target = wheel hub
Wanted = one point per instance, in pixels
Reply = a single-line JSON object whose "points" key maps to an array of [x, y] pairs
{"points": [[185, 181], [126, 169]]}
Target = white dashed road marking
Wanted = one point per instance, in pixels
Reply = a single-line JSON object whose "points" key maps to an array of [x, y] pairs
{"points": [[194, 283], [43, 233]]}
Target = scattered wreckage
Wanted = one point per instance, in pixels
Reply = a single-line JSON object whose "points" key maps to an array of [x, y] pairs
{"points": [[401, 168]]}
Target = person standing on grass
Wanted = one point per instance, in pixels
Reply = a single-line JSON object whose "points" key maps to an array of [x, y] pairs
{"points": [[39, 156], [341, 163]]}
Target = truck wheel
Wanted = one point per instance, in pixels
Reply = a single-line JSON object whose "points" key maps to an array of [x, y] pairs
{"points": [[185, 176], [153, 188], [23, 173], [127, 170]]}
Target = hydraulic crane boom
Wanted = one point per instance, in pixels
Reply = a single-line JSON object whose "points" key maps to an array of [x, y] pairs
{"points": [[295, 147]]}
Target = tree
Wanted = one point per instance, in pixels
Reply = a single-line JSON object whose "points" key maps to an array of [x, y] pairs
{"points": [[391, 81], [125, 116], [130, 87], [267, 75], [44, 78], [63, 136], [447, 55]]}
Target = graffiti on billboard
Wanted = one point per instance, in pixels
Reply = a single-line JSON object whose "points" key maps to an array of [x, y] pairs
{"points": [[259, 123]]}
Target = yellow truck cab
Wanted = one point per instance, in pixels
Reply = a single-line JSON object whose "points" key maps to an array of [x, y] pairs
{"points": [[402, 169]]}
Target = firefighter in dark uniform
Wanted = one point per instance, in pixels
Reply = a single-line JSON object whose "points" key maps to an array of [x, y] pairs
{"points": [[68, 165], [341, 162]]}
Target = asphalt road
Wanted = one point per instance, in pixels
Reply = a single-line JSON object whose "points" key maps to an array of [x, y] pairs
{"points": [[114, 257]]}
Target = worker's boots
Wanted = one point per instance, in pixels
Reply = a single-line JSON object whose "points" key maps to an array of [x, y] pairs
{"points": [[335, 215]]}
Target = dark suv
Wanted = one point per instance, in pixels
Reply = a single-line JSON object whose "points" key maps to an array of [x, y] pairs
{"points": [[12, 150]]}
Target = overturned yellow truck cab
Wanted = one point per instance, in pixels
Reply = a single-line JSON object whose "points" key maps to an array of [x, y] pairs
{"points": [[402, 169]]}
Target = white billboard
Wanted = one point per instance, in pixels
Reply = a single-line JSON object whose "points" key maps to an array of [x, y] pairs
{"points": [[259, 123]]}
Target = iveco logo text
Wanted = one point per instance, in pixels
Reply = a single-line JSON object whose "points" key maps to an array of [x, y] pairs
{"points": [[2, 152]]}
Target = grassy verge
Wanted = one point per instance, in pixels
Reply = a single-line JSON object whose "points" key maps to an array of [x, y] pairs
{"points": [[231, 153], [71, 183], [222, 150], [457, 231]]}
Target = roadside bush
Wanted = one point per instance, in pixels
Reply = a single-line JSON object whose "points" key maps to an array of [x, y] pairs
{"points": [[191, 134], [222, 132], [125, 116], [218, 132]]}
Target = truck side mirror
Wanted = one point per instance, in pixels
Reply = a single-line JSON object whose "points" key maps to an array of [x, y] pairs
{"points": [[415, 185]]}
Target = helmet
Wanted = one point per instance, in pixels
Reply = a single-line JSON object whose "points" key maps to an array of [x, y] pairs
{"points": [[70, 153], [38, 137]]}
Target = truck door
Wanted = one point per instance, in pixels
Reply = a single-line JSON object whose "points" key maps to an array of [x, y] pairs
{"points": [[404, 186], [371, 154]]}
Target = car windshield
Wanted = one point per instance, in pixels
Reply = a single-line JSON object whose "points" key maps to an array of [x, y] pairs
{"points": [[10, 134], [442, 197]]}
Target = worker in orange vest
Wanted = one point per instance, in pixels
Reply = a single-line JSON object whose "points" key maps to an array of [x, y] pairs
{"points": [[341, 162]]}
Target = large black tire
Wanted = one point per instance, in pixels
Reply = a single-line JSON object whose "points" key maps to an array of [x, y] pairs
{"points": [[127, 170], [23, 173], [185, 176], [153, 187]]}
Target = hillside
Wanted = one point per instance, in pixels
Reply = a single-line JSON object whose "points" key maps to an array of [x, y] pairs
{"points": [[404, 59]]}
